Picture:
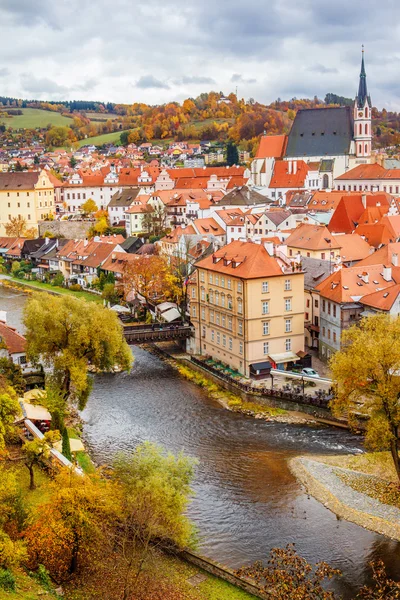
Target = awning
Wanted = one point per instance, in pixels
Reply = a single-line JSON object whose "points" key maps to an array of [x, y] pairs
{"points": [[312, 327], [284, 357], [261, 366], [33, 412]]}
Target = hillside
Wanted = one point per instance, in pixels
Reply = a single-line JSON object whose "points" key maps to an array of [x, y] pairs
{"points": [[34, 118]]}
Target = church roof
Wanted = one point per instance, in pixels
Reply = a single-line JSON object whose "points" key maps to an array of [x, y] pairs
{"points": [[362, 95], [321, 132]]}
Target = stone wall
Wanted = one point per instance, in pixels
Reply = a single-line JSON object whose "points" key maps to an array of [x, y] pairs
{"points": [[71, 230]]}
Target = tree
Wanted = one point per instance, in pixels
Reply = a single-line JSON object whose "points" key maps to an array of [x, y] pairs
{"points": [[58, 136], [71, 524], [383, 587], [289, 576], [232, 154], [36, 160], [72, 162], [89, 207], [109, 293], [13, 374], [66, 446], [366, 373], [155, 491], [17, 227], [67, 334], [145, 277], [154, 219], [9, 409], [36, 451], [11, 552]]}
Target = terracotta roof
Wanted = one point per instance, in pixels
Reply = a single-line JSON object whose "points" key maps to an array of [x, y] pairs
{"points": [[208, 227], [312, 237], [347, 285], [350, 208], [384, 299], [374, 171], [376, 234], [352, 247], [271, 146], [281, 177], [174, 236], [382, 256], [14, 341], [324, 201], [242, 259], [117, 260]]}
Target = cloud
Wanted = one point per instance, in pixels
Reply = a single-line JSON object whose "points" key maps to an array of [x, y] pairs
{"points": [[148, 82], [321, 69], [41, 86], [237, 78], [4, 72], [195, 79]]}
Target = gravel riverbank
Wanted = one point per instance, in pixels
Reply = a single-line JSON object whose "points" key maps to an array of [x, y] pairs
{"points": [[323, 483]]}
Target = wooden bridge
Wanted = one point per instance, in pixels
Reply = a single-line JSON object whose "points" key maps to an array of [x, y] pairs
{"points": [[158, 332]]}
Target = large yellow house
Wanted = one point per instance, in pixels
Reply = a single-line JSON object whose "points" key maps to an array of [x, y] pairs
{"points": [[312, 241], [247, 309], [27, 194]]}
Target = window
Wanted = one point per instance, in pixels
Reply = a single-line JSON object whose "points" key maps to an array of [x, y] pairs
{"points": [[265, 307], [308, 303], [240, 347], [203, 313], [240, 327], [216, 280], [230, 323], [202, 276], [212, 335], [29, 217], [203, 332], [266, 348], [290, 252], [22, 360], [323, 255], [334, 310], [211, 296], [329, 334], [307, 316], [223, 300], [193, 311], [316, 303], [323, 306], [239, 287], [18, 204], [329, 308], [211, 316], [28, 204], [288, 284], [230, 343], [203, 294], [9, 205], [288, 325], [193, 292], [217, 318], [288, 344], [218, 337], [288, 304], [240, 306], [217, 298], [334, 336], [229, 284], [223, 321], [323, 331], [265, 287], [230, 302], [266, 328], [224, 341], [222, 281]]}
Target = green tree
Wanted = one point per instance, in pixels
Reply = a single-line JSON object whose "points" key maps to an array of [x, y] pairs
{"points": [[123, 138], [89, 207], [109, 293], [66, 446], [232, 154], [36, 160], [155, 492], [58, 136], [67, 334], [72, 162], [13, 374], [366, 373], [9, 409], [36, 451]]}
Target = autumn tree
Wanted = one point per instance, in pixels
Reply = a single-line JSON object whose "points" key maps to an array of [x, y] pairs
{"points": [[288, 576], [72, 524], [36, 451], [89, 207], [12, 552], [67, 334], [154, 219], [58, 136], [145, 277], [18, 227], [155, 492], [13, 374], [9, 409], [366, 375], [180, 265], [383, 587]]}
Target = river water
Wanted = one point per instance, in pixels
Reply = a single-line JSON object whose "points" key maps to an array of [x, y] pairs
{"points": [[246, 500]]}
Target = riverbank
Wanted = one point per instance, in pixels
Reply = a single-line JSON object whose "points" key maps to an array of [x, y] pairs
{"points": [[350, 487], [32, 286], [256, 409]]}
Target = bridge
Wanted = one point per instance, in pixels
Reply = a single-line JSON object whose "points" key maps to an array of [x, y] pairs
{"points": [[158, 332]]}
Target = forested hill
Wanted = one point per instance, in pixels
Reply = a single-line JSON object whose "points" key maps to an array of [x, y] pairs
{"points": [[210, 116]]}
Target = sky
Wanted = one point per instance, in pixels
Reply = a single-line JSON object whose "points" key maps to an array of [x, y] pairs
{"points": [[156, 51]]}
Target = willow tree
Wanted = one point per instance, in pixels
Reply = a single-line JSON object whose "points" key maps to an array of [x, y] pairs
{"points": [[367, 375], [67, 335]]}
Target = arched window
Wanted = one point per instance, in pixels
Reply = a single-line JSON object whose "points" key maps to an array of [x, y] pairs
{"points": [[359, 149], [366, 148], [240, 306], [366, 112], [325, 181], [360, 129], [366, 129]]}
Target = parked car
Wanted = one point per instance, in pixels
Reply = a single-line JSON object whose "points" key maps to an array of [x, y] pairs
{"points": [[309, 372]]}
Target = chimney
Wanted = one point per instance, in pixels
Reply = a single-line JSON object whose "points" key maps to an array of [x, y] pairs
{"points": [[387, 273], [269, 246], [3, 316], [294, 167], [365, 277], [290, 167], [364, 200], [395, 260], [85, 242]]}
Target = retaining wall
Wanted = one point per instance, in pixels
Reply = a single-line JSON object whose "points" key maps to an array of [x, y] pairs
{"points": [[71, 230]]}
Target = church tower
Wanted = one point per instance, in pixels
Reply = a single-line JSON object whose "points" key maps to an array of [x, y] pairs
{"points": [[363, 117]]}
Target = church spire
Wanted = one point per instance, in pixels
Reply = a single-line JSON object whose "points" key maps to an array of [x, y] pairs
{"points": [[362, 95]]}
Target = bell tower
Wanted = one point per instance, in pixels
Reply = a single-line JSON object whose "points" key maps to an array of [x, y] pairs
{"points": [[363, 116]]}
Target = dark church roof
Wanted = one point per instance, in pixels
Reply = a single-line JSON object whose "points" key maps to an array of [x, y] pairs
{"points": [[321, 132], [362, 95]]}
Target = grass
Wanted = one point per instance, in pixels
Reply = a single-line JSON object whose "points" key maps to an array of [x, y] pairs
{"points": [[32, 497], [51, 288], [98, 140], [33, 118], [27, 588], [380, 489], [377, 464], [101, 116]]}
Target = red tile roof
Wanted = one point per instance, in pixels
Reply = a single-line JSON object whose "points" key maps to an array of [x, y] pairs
{"points": [[383, 299], [351, 207], [382, 256], [271, 146], [312, 237], [376, 234], [281, 177], [14, 341], [347, 285], [374, 171]]}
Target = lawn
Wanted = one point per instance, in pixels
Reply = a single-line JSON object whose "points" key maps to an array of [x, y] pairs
{"points": [[98, 140], [33, 118], [94, 116], [51, 288]]}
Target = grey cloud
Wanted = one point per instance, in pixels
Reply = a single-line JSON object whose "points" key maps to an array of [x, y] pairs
{"points": [[237, 78], [193, 79], [148, 81], [4, 72], [321, 69], [28, 13], [41, 86]]}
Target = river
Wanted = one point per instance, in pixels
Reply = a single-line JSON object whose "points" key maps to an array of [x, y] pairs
{"points": [[246, 500]]}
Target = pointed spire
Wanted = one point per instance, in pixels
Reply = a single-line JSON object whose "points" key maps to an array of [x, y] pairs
{"points": [[362, 87]]}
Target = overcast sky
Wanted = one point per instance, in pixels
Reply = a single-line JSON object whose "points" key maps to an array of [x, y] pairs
{"points": [[155, 51]]}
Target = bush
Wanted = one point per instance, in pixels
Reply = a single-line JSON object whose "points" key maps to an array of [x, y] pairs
{"points": [[43, 578], [75, 287], [7, 581], [66, 447], [58, 280]]}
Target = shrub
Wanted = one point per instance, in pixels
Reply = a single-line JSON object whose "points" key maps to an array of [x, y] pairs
{"points": [[7, 581], [75, 287], [58, 280], [43, 578]]}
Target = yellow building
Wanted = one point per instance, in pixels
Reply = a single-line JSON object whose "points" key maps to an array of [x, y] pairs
{"points": [[27, 194], [247, 308], [312, 241]]}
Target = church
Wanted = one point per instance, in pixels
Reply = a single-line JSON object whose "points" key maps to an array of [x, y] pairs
{"points": [[323, 143]]}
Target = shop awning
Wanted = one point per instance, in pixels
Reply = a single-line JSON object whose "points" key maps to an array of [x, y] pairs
{"points": [[284, 357], [261, 366]]}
